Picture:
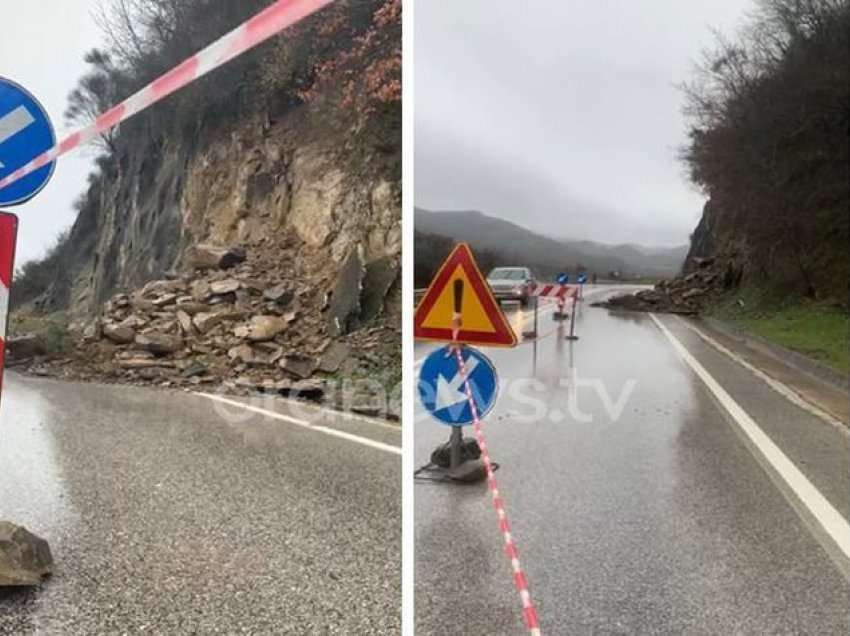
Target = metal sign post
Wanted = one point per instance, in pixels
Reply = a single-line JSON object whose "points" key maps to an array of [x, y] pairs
{"points": [[572, 335], [536, 306]]}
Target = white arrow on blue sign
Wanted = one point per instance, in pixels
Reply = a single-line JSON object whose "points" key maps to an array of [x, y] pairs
{"points": [[442, 390], [25, 133], [582, 279]]}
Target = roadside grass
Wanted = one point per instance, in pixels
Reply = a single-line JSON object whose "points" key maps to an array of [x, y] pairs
{"points": [[820, 331]]}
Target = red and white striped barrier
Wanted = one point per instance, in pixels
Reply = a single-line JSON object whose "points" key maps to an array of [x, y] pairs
{"points": [[269, 22], [550, 290], [529, 612], [8, 232], [553, 291]]}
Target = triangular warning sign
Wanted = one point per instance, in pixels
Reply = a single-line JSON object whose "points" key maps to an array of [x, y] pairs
{"points": [[460, 287]]}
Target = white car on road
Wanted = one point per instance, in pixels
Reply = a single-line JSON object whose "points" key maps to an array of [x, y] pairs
{"points": [[511, 283]]}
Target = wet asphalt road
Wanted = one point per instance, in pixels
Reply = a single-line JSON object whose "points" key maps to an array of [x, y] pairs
{"points": [[168, 514], [658, 520]]}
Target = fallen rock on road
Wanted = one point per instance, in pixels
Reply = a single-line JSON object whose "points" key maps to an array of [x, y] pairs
{"points": [[252, 326], [687, 294], [25, 559], [24, 347]]}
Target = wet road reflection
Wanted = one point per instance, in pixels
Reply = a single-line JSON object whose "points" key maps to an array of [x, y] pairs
{"points": [[169, 516], [635, 505]]}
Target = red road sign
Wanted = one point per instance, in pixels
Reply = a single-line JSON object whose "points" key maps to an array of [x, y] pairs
{"points": [[8, 237], [459, 306]]}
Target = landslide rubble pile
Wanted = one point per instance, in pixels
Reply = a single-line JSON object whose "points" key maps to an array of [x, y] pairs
{"points": [[687, 294], [242, 324]]}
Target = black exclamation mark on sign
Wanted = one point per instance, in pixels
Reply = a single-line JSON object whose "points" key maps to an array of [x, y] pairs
{"points": [[458, 305]]}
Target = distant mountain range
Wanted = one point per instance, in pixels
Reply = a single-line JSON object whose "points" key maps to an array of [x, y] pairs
{"points": [[523, 247]]}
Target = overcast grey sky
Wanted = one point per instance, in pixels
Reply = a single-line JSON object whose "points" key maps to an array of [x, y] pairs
{"points": [[561, 116], [42, 49]]}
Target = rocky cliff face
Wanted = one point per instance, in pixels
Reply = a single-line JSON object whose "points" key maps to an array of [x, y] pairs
{"points": [[724, 256], [715, 242], [807, 259], [260, 256], [251, 186]]}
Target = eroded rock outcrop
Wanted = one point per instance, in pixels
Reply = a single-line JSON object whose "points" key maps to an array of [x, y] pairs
{"points": [[262, 254]]}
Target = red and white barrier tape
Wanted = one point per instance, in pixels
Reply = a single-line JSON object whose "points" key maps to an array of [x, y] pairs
{"points": [[269, 22], [520, 582], [8, 230], [551, 290]]}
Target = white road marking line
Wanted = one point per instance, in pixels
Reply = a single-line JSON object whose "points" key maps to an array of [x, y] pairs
{"points": [[365, 441], [14, 122], [783, 389], [823, 512], [346, 415]]}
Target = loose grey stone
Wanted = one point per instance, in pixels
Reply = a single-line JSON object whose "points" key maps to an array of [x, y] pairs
{"points": [[24, 557]]}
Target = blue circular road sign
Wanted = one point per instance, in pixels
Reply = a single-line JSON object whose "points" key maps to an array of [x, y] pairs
{"points": [[562, 279], [442, 390], [582, 278], [25, 133]]}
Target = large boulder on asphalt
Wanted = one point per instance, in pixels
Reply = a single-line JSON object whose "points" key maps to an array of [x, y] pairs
{"points": [[24, 558], [212, 257]]}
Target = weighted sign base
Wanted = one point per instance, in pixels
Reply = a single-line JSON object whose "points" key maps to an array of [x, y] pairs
{"points": [[570, 337], [469, 472], [468, 467], [442, 455], [560, 316]]}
